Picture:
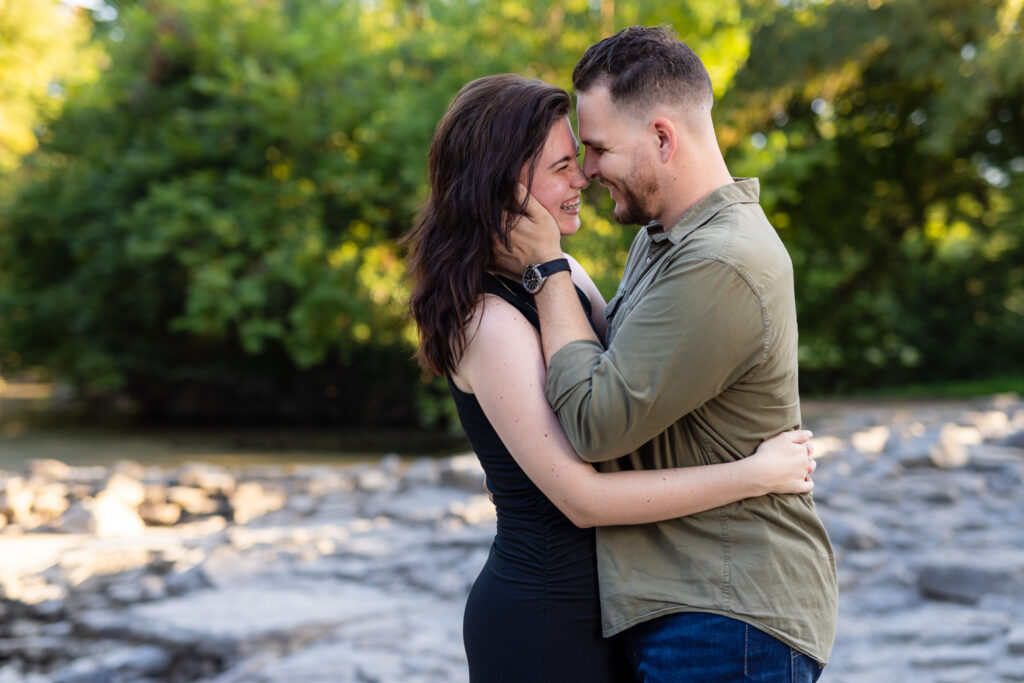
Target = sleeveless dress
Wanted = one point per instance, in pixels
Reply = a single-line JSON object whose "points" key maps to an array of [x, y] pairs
{"points": [[533, 614]]}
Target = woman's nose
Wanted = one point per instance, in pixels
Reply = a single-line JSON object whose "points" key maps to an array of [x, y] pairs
{"points": [[580, 179]]}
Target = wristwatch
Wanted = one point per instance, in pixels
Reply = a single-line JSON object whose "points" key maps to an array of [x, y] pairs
{"points": [[535, 275]]}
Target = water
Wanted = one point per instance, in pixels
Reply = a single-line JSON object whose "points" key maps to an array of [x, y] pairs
{"points": [[31, 429]]}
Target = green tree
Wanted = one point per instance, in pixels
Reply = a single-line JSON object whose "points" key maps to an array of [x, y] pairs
{"points": [[42, 50], [889, 137], [210, 226]]}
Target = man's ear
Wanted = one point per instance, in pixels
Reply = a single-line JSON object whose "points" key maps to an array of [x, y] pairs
{"points": [[668, 137]]}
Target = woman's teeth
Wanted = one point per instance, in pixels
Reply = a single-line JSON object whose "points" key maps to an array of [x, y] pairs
{"points": [[570, 206]]}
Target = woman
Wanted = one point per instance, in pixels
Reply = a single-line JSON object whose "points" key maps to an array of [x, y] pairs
{"points": [[533, 613]]}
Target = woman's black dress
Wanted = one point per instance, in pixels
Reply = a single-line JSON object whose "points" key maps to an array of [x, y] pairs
{"points": [[533, 614]]}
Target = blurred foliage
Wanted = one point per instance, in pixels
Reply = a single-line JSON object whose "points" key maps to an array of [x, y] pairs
{"points": [[208, 225], [889, 139], [43, 48]]}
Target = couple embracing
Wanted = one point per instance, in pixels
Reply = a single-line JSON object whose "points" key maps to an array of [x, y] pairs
{"points": [[654, 519]]}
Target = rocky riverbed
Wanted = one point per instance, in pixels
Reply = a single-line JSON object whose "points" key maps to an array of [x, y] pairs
{"points": [[359, 573]]}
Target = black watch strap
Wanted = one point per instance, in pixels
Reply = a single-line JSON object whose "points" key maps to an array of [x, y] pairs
{"points": [[535, 274], [551, 267]]}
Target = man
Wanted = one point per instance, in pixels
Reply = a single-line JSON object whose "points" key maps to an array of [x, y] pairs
{"points": [[700, 366]]}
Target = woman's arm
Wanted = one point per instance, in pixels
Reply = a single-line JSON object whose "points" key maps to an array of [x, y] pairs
{"points": [[597, 303], [503, 366]]}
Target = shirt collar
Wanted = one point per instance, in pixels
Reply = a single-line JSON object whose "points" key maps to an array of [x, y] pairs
{"points": [[741, 191]]}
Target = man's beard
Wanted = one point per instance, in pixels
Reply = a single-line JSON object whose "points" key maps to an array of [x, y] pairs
{"points": [[637, 189]]}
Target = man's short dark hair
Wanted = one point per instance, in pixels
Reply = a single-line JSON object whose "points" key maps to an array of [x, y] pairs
{"points": [[642, 66]]}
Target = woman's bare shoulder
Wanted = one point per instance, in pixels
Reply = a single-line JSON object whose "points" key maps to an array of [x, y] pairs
{"points": [[496, 330], [493, 316]]}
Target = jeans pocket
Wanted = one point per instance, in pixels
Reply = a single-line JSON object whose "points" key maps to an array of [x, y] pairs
{"points": [[803, 669]]}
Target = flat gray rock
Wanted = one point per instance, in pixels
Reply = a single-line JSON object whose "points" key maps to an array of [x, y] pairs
{"points": [[848, 531], [363, 572], [963, 580], [1015, 641], [131, 663], [232, 622], [421, 646], [417, 505]]}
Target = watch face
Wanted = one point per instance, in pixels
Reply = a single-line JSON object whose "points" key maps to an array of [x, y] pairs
{"points": [[532, 279]]}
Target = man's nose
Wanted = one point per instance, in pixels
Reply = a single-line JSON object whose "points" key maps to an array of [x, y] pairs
{"points": [[589, 165]]}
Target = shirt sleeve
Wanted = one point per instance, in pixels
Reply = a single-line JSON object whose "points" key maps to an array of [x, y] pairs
{"points": [[696, 330]]}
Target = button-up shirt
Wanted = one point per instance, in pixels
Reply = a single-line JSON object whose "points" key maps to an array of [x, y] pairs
{"points": [[700, 367]]}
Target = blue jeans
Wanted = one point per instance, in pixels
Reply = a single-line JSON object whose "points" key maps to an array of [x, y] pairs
{"points": [[695, 647]]}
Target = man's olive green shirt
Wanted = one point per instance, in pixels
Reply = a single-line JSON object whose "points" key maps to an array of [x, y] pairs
{"points": [[700, 367]]}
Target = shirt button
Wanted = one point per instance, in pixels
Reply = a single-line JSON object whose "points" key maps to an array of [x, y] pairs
{"points": [[648, 259]]}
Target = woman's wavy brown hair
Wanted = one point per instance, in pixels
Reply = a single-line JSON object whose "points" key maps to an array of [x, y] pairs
{"points": [[494, 126]]}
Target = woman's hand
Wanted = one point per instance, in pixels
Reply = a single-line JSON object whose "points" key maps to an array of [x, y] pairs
{"points": [[534, 238], [785, 462], [504, 261]]}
